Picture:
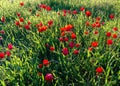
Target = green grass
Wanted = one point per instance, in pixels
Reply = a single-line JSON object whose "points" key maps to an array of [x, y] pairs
{"points": [[21, 68]]}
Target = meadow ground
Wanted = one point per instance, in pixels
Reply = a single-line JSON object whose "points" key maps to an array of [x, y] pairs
{"points": [[59, 43]]}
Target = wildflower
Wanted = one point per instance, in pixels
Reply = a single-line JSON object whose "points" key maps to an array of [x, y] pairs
{"points": [[49, 77], [76, 52], [29, 22], [21, 4], [40, 65], [115, 29], [8, 53], [77, 45], [27, 27], [82, 9], [61, 39], [90, 48], [74, 12], [46, 62], [71, 44], [65, 51], [48, 8], [88, 13], [94, 25], [65, 39], [98, 24], [87, 23], [18, 14], [10, 46], [98, 19], [109, 42], [2, 55], [108, 34], [94, 44], [86, 32], [50, 23], [52, 48], [43, 28], [111, 16], [21, 19], [68, 27], [73, 36], [17, 23], [99, 69], [96, 32], [114, 36]]}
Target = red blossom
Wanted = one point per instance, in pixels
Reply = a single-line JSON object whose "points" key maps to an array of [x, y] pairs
{"points": [[48, 8], [52, 48], [114, 35], [46, 62], [73, 36], [8, 53], [77, 45], [111, 16], [96, 32], [10, 46], [27, 27], [94, 44], [74, 12], [2, 55], [99, 69], [109, 42], [49, 77], [40, 65], [115, 29], [17, 23], [98, 18], [87, 23], [18, 14], [21, 19], [50, 23], [71, 44], [88, 13], [76, 52], [108, 34], [43, 28], [29, 22], [65, 51], [86, 32], [90, 48], [82, 9], [21, 3], [65, 39]]}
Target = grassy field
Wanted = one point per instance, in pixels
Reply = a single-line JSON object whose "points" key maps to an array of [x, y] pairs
{"points": [[59, 43]]}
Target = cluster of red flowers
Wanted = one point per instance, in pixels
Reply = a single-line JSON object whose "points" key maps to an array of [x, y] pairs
{"points": [[65, 31], [48, 77], [43, 6], [7, 53], [112, 35], [42, 27], [67, 35], [21, 22], [74, 12]]}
